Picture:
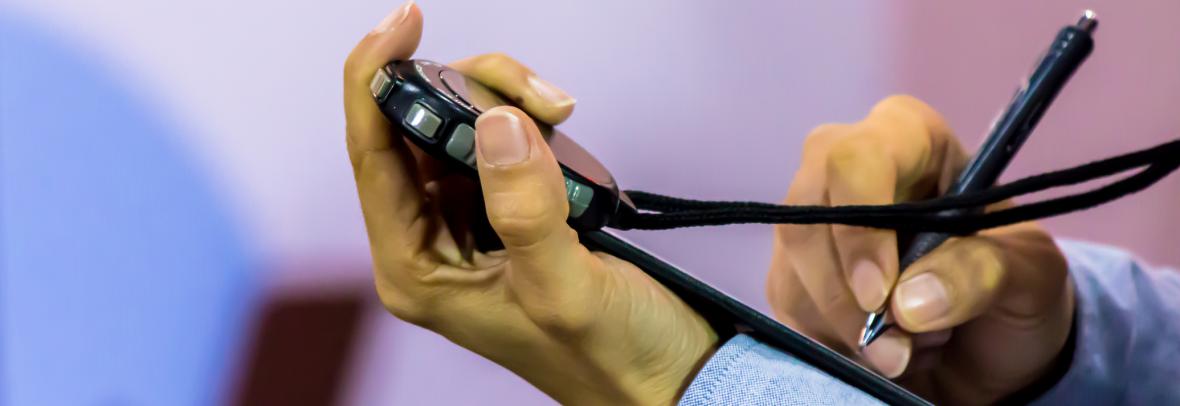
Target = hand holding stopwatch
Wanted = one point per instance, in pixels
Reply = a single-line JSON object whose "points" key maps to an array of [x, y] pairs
{"points": [[437, 108]]}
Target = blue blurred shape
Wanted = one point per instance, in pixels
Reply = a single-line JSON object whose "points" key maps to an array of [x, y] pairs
{"points": [[124, 281]]}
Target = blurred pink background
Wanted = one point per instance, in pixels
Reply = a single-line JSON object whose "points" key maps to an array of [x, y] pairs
{"points": [[250, 93]]}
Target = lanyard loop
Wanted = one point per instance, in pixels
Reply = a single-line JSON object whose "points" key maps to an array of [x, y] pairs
{"points": [[956, 215]]}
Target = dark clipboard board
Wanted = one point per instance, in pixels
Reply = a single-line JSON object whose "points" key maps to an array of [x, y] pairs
{"points": [[729, 317]]}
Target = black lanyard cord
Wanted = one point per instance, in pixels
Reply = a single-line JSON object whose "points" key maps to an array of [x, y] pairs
{"points": [[956, 214]]}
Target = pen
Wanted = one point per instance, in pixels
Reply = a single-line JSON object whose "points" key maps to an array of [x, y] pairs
{"points": [[1069, 49]]}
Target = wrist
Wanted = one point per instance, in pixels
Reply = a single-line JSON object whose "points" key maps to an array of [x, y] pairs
{"points": [[696, 368], [665, 385], [595, 370], [661, 375]]}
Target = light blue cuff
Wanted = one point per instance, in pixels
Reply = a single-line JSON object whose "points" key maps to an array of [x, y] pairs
{"points": [[747, 372]]}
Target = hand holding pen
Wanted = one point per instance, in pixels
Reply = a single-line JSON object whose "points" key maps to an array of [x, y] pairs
{"points": [[1071, 47], [983, 316]]}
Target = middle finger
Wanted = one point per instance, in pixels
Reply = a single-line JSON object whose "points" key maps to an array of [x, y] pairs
{"points": [[811, 248]]}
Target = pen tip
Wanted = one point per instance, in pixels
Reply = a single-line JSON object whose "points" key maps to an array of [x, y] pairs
{"points": [[874, 326]]}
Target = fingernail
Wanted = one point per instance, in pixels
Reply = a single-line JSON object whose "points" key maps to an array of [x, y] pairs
{"points": [[868, 284], [394, 18], [923, 299], [501, 138], [889, 355], [550, 92]]}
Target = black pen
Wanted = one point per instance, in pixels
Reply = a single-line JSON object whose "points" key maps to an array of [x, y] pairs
{"points": [[1071, 47]]}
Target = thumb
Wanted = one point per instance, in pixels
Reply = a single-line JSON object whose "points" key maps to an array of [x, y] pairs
{"points": [[951, 286], [552, 275]]}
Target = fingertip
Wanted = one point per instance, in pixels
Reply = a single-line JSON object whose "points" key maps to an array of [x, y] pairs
{"points": [[402, 13], [414, 11], [890, 354], [553, 105], [495, 118], [402, 39], [868, 284], [503, 137], [950, 286], [395, 37], [921, 302], [500, 112], [908, 105], [542, 99], [870, 261]]}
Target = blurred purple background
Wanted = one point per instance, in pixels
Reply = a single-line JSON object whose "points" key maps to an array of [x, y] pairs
{"points": [[169, 168]]}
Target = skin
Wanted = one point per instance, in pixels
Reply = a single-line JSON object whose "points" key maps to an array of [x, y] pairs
{"points": [[981, 317], [584, 327]]}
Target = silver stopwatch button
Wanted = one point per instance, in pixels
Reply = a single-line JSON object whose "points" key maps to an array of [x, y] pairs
{"points": [[423, 121], [461, 146], [579, 197], [381, 85]]}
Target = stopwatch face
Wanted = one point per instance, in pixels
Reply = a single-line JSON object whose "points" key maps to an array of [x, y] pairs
{"points": [[480, 98]]}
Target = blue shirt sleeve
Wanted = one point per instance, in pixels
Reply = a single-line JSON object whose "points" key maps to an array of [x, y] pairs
{"points": [[1127, 351], [747, 372], [1128, 331]]}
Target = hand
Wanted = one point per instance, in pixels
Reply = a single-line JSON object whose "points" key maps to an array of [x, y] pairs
{"points": [[981, 317], [584, 327]]}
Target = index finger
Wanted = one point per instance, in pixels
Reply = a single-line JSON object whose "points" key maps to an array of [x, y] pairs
{"points": [[540, 98], [395, 37], [384, 167], [898, 153]]}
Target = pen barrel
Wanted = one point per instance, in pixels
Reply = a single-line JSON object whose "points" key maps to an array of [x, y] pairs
{"points": [[1008, 133], [922, 244]]}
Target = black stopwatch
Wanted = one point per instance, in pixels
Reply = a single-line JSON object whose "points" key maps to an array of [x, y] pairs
{"points": [[437, 107]]}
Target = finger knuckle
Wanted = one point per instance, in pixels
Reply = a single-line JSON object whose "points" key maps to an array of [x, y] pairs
{"points": [[1047, 251], [832, 298], [849, 154], [926, 122], [797, 238], [986, 256], [567, 310], [983, 259], [567, 322], [354, 67], [820, 137], [496, 60], [517, 217], [786, 298], [789, 235], [859, 240], [898, 102]]}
